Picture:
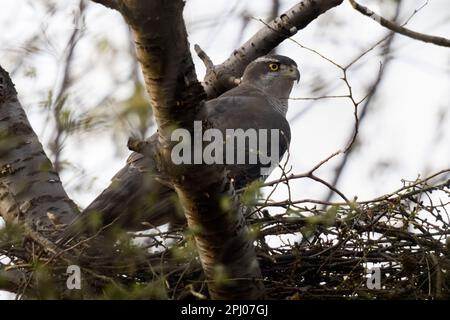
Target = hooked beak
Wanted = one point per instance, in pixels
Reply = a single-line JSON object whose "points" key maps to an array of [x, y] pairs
{"points": [[297, 75], [293, 73]]}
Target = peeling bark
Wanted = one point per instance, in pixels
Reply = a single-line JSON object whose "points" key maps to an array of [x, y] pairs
{"points": [[221, 234], [163, 52], [28, 181], [225, 247], [31, 191], [152, 48], [221, 77]]}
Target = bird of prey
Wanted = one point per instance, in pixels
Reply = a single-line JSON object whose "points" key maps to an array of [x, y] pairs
{"points": [[136, 199]]}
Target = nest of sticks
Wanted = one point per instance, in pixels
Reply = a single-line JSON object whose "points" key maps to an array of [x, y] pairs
{"points": [[394, 247]]}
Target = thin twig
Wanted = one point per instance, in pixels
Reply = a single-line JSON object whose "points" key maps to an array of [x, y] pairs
{"points": [[440, 41]]}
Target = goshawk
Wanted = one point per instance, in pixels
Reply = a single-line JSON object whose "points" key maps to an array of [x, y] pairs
{"points": [[137, 200]]}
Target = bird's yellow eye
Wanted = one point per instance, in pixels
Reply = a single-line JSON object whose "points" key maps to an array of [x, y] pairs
{"points": [[274, 67]]}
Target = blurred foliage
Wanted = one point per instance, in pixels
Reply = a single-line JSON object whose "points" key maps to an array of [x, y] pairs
{"points": [[405, 234]]}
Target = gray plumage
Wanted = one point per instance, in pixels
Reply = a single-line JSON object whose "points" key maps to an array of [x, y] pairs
{"points": [[137, 200]]}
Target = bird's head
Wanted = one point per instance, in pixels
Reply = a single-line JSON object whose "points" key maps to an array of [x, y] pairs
{"points": [[274, 74]]}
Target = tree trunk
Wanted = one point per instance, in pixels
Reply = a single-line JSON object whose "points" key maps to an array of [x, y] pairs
{"points": [[224, 245], [31, 190], [29, 186]]}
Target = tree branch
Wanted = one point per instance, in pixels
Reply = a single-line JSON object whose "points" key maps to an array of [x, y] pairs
{"points": [[440, 41], [27, 178], [222, 237], [147, 48], [176, 95], [222, 77], [363, 110], [168, 69]]}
